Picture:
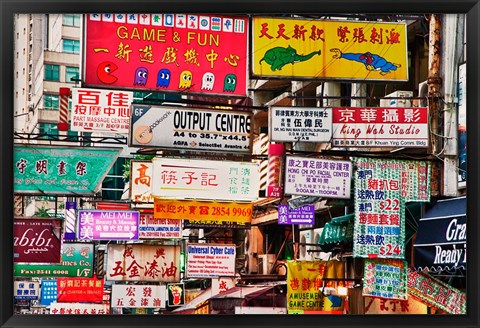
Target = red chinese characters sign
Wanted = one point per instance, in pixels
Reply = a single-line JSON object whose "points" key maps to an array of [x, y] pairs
{"points": [[143, 263], [167, 52], [139, 296], [80, 290]]}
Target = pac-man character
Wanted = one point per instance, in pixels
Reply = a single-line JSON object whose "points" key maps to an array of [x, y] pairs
{"points": [[207, 81], [230, 82], [185, 80], [141, 76], [163, 78], [104, 72]]}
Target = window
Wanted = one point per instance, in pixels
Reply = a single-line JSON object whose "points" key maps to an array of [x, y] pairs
{"points": [[71, 20], [113, 184], [52, 72], [71, 72], [71, 46], [48, 129], [50, 102]]}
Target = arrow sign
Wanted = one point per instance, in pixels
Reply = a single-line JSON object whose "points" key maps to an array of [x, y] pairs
{"points": [[117, 235], [97, 225], [301, 221], [300, 215]]}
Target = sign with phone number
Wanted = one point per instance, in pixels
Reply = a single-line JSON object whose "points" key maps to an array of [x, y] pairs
{"points": [[202, 211]]}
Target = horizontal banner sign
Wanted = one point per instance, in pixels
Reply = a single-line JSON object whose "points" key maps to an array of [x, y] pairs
{"points": [[89, 290], [215, 224], [191, 129], [79, 308], [107, 225], [305, 124], [203, 211], [210, 260], [204, 54], [205, 179], [96, 110], [61, 170], [380, 127], [152, 228], [317, 177], [139, 296]]}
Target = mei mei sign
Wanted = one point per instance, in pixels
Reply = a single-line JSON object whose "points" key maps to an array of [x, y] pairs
{"points": [[167, 52]]}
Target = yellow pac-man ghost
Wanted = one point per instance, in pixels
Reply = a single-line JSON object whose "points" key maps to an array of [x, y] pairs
{"points": [[185, 80]]}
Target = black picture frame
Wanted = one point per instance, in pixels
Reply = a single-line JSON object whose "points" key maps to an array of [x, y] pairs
{"points": [[11, 7]]}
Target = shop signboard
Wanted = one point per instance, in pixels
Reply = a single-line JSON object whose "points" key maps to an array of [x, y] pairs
{"points": [[140, 183], [376, 305], [385, 278], [135, 262], [48, 291], [25, 290], [97, 110], [205, 179], [61, 170], [240, 213], [89, 290], [193, 53], [329, 49], [300, 124], [107, 225], [79, 308], [176, 294], [300, 215], [218, 224], [380, 127], [37, 240], [210, 260], [191, 129], [317, 177], [139, 296], [152, 228], [77, 261]]}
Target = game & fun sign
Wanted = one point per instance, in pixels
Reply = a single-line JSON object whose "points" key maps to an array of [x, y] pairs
{"points": [[152, 228], [385, 278], [107, 225], [191, 129], [96, 110], [343, 49], [380, 127], [317, 177], [210, 260], [205, 179], [167, 52], [300, 215], [139, 296]]}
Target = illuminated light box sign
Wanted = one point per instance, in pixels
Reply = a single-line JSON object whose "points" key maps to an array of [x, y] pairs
{"points": [[205, 54], [107, 225], [210, 260], [191, 129]]}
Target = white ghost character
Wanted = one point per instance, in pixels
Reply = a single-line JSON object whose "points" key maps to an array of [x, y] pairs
{"points": [[208, 80]]}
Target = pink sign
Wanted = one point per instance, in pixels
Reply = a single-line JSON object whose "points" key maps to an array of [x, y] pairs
{"points": [[167, 52], [107, 225]]}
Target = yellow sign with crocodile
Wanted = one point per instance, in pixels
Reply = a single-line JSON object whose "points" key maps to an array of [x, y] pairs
{"points": [[328, 49]]}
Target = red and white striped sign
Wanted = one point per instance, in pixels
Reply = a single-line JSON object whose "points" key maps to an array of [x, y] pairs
{"points": [[63, 122]]}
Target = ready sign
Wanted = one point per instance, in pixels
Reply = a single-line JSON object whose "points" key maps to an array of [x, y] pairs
{"points": [[107, 225]]}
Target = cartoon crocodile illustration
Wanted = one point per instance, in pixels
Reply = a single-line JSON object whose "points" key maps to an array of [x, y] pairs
{"points": [[371, 61], [279, 56]]}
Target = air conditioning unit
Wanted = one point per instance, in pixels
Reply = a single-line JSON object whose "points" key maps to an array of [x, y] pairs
{"points": [[423, 93], [253, 246], [317, 233], [306, 237], [395, 102], [265, 263]]}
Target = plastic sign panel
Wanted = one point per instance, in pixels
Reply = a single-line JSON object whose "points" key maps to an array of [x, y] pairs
{"points": [[140, 182], [95, 110], [204, 179], [204, 54], [210, 260], [107, 225], [305, 124], [88, 290], [380, 127], [79, 308], [191, 129], [300, 215], [138, 296], [176, 294], [133, 262], [152, 228], [48, 291], [322, 49], [317, 177], [385, 278], [375, 305], [37, 240], [61, 170], [26, 290]]}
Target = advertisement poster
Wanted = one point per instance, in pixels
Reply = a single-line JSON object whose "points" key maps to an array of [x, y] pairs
{"points": [[191, 129], [79, 308], [96, 110], [107, 225], [89, 290], [194, 53], [26, 290], [385, 279], [138, 296], [152, 228], [133, 262], [205, 179], [380, 127], [210, 260], [317, 177], [37, 240], [300, 124], [140, 183], [300, 215], [61, 170], [329, 49]]}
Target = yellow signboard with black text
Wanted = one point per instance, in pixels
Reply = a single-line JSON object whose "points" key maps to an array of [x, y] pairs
{"points": [[329, 49]]}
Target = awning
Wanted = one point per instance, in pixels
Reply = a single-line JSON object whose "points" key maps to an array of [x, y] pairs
{"points": [[442, 234]]}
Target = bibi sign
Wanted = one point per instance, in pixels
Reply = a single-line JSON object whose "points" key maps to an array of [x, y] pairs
{"points": [[107, 225]]}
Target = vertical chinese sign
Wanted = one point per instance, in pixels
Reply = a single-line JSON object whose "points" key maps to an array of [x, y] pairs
{"points": [[140, 183], [167, 52], [329, 49]]}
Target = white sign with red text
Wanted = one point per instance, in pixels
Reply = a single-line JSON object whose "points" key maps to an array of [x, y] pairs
{"points": [[380, 127], [96, 110], [210, 260], [79, 308], [139, 296], [205, 179], [141, 182], [152, 228]]}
